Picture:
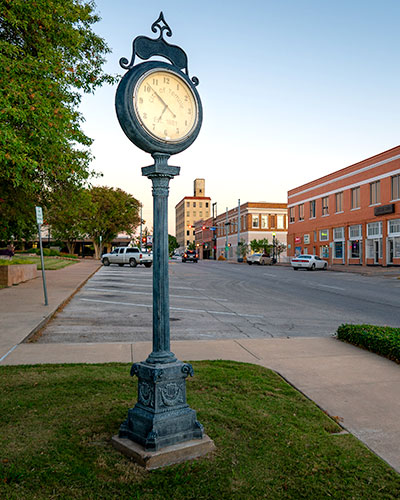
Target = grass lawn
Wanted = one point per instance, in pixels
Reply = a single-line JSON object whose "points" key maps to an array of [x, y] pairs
{"points": [[50, 263], [56, 423]]}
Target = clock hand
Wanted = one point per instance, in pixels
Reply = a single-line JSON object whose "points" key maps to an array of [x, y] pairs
{"points": [[163, 111], [165, 104]]}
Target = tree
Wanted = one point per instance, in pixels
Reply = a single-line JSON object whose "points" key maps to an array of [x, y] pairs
{"points": [[49, 56], [65, 214], [242, 249], [111, 211], [172, 244], [260, 245], [191, 246]]}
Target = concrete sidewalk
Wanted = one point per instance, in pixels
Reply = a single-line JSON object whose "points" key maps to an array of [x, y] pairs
{"points": [[360, 388]]}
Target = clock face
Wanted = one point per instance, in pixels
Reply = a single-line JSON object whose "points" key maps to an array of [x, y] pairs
{"points": [[165, 106]]}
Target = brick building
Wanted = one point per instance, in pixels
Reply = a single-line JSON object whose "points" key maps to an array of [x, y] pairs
{"points": [[351, 216], [258, 220], [189, 210]]}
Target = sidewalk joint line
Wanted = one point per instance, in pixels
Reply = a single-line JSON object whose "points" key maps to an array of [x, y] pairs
{"points": [[254, 355]]}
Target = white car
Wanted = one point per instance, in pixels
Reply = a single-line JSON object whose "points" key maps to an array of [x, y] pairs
{"points": [[309, 262], [260, 259]]}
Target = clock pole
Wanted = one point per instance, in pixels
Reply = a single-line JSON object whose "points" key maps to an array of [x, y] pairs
{"points": [[160, 174]]}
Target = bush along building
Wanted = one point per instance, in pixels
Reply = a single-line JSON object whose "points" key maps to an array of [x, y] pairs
{"points": [[351, 216]]}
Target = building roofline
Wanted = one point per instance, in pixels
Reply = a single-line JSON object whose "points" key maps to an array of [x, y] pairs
{"points": [[385, 156]]}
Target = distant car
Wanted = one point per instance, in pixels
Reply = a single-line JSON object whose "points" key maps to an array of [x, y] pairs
{"points": [[309, 262], [260, 258], [190, 256]]}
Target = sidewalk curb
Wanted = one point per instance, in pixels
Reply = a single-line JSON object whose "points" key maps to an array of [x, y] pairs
{"points": [[51, 315]]}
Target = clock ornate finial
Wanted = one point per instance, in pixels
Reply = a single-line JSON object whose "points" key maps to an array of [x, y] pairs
{"points": [[162, 25], [145, 48]]}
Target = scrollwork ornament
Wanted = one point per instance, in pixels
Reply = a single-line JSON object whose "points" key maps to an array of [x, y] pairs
{"points": [[187, 369], [171, 394], [135, 369], [146, 394]]}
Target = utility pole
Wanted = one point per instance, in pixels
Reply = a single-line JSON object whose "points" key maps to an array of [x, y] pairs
{"points": [[239, 257], [141, 222], [214, 216], [226, 234]]}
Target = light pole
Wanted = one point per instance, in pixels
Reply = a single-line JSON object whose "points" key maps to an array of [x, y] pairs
{"points": [[226, 234], [141, 222], [214, 216], [239, 256]]}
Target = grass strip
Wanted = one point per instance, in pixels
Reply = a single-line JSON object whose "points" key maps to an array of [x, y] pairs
{"points": [[57, 420], [50, 263], [383, 340]]}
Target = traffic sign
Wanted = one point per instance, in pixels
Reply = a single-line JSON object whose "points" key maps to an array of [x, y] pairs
{"points": [[39, 215]]}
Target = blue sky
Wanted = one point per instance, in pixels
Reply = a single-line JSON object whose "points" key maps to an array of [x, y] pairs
{"points": [[291, 90]]}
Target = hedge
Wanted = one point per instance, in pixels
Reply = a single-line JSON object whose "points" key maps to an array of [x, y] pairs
{"points": [[383, 340]]}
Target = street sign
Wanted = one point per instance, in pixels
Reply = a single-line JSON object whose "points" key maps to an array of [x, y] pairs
{"points": [[39, 215]]}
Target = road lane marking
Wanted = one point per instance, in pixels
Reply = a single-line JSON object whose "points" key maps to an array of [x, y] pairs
{"points": [[147, 286], [173, 308], [147, 293], [270, 274], [330, 286]]}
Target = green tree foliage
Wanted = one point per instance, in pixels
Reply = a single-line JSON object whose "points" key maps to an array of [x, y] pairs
{"points": [[111, 211], [172, 244], [49, 56], [65, 215], [260, 245]]}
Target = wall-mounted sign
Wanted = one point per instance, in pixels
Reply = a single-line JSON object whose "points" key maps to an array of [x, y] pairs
{"points": [[297, 239], [306, 239], [384, 209]]}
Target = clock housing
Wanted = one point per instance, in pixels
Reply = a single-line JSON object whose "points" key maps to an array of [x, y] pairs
{"points": [[159, 108]]}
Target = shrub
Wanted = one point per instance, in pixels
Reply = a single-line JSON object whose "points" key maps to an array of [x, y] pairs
{"points": [[383, 340]]}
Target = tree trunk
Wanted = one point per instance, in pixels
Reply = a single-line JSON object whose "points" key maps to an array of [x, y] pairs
{"points": [[71, 247], [97, 250]]}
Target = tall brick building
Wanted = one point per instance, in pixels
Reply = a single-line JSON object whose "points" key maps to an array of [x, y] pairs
{"points": [[189, 210], [351, 216]]}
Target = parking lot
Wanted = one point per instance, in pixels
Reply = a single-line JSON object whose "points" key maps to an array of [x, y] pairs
{"points": [[214, 300]]}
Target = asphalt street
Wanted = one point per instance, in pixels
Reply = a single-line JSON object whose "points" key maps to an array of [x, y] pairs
{"points": [[220, 300]]}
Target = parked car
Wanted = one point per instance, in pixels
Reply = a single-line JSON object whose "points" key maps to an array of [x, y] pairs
{"points": [[260, 258], [190, 256], [309, 262], [127, 255]]}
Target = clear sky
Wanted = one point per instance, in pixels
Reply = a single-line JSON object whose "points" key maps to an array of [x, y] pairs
{"points": [[291, 90]]}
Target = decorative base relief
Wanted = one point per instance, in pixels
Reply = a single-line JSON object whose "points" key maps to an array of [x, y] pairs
{"points": [[174, 454], [161, 417]]}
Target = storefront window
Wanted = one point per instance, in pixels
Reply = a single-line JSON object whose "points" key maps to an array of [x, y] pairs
{"points": [[324, 251], [324, 235], [396, 249], [394, 226], [374, 229], [355, 232], [355, 249], [338, 233], [338, 250]]}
